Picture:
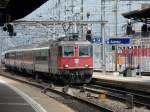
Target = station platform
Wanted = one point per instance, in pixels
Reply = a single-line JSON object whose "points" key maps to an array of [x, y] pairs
{"points": [[11, 101], [13, 93], [141, 83]]}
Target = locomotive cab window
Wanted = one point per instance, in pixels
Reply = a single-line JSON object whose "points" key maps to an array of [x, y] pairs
{"points": [[84, 50], [68, 51]]}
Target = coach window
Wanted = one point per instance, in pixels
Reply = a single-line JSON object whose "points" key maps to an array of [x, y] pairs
{"points": [[43, 55], [84, 50], [68, 50], [8, 56]]}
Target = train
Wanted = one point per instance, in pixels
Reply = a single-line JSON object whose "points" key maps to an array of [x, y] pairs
{"points": [[65, 60], [136, 57]]}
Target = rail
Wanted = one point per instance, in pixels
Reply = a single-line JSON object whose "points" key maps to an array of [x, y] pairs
{"points": [[139, 97]]}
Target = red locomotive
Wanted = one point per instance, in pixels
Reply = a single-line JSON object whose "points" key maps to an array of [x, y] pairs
{"points": [[67, 60]]}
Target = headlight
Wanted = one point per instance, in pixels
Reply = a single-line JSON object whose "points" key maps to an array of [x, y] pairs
{"points": [[66, 66], [86, 65]]}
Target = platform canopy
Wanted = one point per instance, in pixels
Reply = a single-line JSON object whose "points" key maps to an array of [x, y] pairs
{"points": [[142, 15], [15, 9], [3, 3]]}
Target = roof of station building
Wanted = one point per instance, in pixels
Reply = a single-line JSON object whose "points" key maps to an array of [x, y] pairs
{"points": [[142, 15]]}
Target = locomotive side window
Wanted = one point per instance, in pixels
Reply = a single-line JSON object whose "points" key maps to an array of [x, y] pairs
{"points": [[84, 50], [68, 51], [60, 50]]}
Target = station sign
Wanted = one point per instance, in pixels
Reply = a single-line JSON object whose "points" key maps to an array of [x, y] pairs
{"points": [[96, 40], [119, 41]]}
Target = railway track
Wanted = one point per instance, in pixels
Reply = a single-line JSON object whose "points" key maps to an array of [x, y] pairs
{"points": [[140, 98], [89, 93], [61, 90]]}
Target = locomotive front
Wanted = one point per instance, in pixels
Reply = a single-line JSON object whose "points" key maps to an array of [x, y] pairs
{"points": [[75, 61]]}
